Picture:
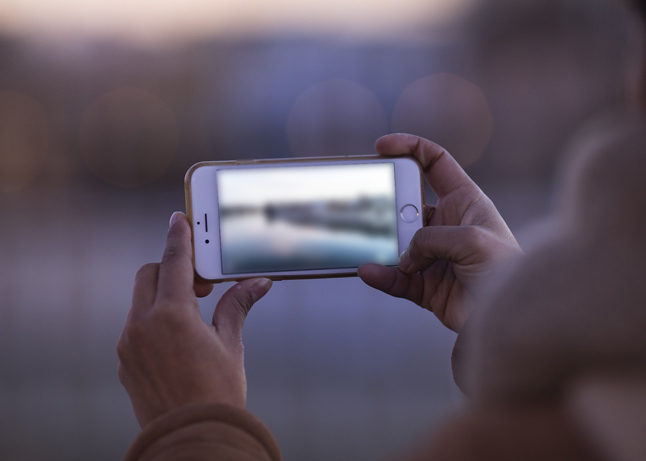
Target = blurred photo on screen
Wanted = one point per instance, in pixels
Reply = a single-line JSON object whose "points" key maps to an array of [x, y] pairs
{"points": [[307, 217]]}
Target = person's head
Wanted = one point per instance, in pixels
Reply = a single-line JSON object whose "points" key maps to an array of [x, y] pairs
{"points": [[641, 7]]}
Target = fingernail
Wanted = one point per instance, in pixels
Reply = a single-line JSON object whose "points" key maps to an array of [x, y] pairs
{"points": [[260, 288], [173, 219], [404, 260]]}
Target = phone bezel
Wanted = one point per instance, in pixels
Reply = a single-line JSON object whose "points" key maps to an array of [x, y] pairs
{"points": [[200, 182]]}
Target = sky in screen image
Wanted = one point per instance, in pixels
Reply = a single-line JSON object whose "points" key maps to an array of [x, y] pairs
{"points": [[258, 186]]}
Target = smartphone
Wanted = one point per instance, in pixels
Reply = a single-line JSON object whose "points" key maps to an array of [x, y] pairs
{"points": [[301, 218]]}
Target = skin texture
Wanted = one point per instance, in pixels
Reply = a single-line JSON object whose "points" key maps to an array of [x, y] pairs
{"points": [[168, 356], [463, 238]]}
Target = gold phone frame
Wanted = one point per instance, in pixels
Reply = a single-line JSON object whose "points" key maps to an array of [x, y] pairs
{"points": [[282, 161]]}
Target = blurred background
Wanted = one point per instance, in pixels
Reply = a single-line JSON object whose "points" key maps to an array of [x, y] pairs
{"points": [[105, 104]]}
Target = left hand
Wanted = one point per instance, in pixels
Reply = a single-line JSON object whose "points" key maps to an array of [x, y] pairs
{"points": [[168, 356], [463, 238]]}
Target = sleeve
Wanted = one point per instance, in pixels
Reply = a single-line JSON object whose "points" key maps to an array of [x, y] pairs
{"points": [[205, 431], [535, 432]]}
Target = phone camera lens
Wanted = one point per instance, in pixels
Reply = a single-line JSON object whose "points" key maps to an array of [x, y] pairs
{"points": [[206, 241], [198, 223]]}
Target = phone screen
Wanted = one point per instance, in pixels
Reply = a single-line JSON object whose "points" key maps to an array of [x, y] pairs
{"points": [[307, 217]]}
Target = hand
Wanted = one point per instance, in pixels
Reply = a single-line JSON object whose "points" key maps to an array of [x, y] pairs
{"points": [[463, 236], [168, 356]]}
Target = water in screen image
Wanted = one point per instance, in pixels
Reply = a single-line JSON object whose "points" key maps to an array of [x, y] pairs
{"points": [[307, 217]]}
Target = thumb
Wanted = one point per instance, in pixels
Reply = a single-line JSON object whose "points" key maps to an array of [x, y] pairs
{"points": [[392, 281], [231, 311], [459, 244]]}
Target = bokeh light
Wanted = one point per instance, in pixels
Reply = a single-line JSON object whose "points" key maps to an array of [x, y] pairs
{"points": [[23, 139], [128, 137], [336, 117], [449, 110]]}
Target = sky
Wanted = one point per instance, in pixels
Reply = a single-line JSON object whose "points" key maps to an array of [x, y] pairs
{"points": [[259, 186], [153, 20]]}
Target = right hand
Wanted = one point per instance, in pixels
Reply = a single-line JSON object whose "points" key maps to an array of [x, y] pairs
{"points": [[464, 235]]}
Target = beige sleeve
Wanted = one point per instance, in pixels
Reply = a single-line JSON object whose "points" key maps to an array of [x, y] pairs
{"points": [[535, 432], [205, 432]]}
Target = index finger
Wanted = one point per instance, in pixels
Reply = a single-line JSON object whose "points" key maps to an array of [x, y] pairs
{"points": [[176, 268], [441, 170]]}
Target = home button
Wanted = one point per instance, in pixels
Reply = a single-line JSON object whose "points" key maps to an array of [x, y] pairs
{"points": [[409, 213]]}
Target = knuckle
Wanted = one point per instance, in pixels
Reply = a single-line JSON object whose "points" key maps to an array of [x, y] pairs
{"points": [[126, 349], [239, 301], [420, 242], [170, 253], [476, 236], [487, 203], [476, 241], [146, 269], [167, 320], [424, 237], [399, 285], [132, 338], [122, 348], [167, 312], [242, 301], [121, 372], [415, 241]]}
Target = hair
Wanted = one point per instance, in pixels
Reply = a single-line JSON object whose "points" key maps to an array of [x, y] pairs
{"points": [[641, 7]]}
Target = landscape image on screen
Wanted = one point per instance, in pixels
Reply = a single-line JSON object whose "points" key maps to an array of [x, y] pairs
{"points": [[276, 219]]}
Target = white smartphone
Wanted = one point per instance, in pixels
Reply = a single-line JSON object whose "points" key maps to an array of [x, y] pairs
{"points": [[301, 218]]}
